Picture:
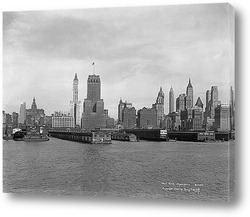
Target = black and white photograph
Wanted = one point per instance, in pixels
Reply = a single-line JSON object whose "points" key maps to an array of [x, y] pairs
{"points": [[120, 102]]}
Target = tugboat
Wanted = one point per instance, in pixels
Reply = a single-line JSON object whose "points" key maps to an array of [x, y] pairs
{"points": [[35, 134]]}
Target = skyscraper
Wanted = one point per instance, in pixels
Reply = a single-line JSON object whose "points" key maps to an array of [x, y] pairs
{"points": [[22, 114], [214, 96], [222, 118], [207, 112], [180, 103], [129, 117], [93, 106], [75, 104], [214, 100], [208, 98], [171, 100], [121, 106], [189, 96], [197, 115], [159, 107], [196, 121], [232, 109], [147, 118]]}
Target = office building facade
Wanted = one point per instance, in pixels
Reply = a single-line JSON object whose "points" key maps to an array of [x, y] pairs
{"points": [[147, 118], [93, 107], [129, 118], [121, 106], [222, 118], [60, 120]]}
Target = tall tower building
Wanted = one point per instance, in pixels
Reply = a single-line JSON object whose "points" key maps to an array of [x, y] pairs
{"points": [[93, 106], [159, 107], [180, 103], [232, 109], [207, 112], [75, 104], [189, 95], [22, 114], [214, 100], [222, 118], [75, 89], [171, 100], [208, 98], [214, 95]]}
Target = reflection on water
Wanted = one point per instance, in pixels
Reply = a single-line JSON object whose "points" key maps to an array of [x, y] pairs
{"points": [[173, 170]]}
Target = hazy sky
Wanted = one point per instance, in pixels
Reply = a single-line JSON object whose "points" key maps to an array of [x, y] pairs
{"points": [[136, 50]]}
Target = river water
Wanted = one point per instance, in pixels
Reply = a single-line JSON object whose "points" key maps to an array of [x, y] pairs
{"points": [[162, 170]]}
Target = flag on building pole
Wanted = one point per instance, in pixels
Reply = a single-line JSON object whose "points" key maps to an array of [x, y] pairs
{"points": [[93, 64]]}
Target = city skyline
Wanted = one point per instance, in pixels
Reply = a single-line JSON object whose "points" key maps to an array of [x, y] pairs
{"points": [[166, 105], [132, 55]]}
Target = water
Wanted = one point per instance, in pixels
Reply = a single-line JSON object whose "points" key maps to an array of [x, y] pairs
{"points": [[164, 170]]}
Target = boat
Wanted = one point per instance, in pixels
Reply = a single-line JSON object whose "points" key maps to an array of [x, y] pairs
{"points": [[128, 137], [101, 138], [35, 138], [18, 136], [35, 134]]}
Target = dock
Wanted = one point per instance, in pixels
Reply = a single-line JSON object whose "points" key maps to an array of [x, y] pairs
{"points": [[81, 136]]}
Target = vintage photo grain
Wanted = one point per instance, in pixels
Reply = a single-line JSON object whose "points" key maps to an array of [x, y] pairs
{"points": [[131, 102]]}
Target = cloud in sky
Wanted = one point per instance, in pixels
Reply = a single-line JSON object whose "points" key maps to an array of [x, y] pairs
{"points": [[136, 50]]}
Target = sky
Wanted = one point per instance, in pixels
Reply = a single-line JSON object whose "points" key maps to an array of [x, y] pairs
{"points": [[136, 51]]}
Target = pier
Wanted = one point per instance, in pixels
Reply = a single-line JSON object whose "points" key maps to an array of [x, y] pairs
{"points": [[200, 136], [81, 136], [191, 136], [148, 134], [78, 136]]}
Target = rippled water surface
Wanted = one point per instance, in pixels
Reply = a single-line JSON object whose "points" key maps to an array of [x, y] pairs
{"points": [[171, 170]]}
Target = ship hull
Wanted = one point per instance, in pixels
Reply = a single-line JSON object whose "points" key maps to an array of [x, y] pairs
{"points": [[35, 139]]}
